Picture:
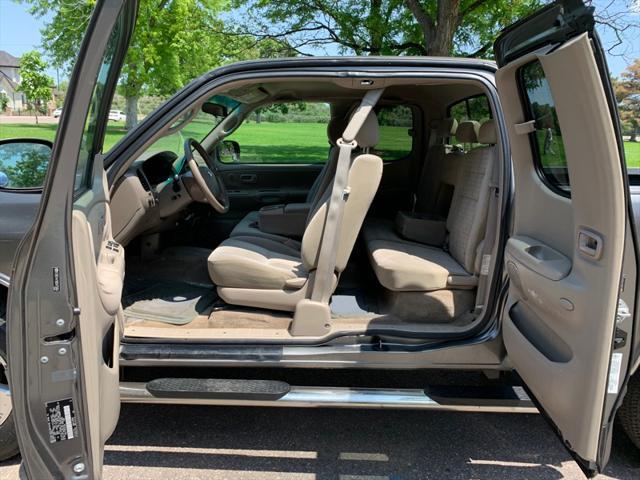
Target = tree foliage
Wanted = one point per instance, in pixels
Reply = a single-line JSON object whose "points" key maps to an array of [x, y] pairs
{"points": [[174, 41], [627, 91], [35, 83], [385, 27]]}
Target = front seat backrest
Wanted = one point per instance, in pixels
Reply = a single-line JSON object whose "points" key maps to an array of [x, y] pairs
{"points": [[467, 216], [364, 177], [335, 127]]}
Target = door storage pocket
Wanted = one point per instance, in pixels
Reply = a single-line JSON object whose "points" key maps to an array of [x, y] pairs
{"points": [[545, 340]]}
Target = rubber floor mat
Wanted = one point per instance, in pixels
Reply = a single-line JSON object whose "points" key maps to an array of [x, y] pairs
{"points": [[174, 303]]}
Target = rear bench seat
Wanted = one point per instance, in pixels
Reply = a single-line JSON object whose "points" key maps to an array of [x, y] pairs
{"points": [[405, 266]]}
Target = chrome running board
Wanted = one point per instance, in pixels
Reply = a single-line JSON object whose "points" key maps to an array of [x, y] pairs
{"points": [[334, 397]]}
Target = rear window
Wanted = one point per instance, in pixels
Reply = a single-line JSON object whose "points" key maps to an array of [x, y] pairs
{"points": [[473, 108], [396, 124], [546, 139]]}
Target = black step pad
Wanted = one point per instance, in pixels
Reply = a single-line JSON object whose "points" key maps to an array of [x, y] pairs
{"points": [[478, 395], [218, 388]]}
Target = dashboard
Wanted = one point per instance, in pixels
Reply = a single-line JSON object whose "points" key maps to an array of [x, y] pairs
{"points": [[150, 197]]}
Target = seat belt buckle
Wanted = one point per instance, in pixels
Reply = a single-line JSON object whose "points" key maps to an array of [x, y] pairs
{"points": [[345, 194]]}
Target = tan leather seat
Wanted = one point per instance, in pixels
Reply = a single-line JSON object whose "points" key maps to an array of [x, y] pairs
{"points": [[249, 227], [265, 273], [402, 265]]}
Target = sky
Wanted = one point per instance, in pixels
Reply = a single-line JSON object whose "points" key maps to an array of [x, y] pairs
{"points": [[20, 32]]}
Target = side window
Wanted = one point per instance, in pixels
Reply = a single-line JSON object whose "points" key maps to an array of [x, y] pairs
{"points": [[473, 108], [93, 134], [396, 141], [283, 133], [546, 140], [23, 163]]}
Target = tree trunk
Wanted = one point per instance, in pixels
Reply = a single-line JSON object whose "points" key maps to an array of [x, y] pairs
{"points": [[258, 116], [375, 27], [446, 26], [131, 111]]}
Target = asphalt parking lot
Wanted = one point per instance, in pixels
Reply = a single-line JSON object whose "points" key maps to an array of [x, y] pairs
{"points": [[180, 442]]}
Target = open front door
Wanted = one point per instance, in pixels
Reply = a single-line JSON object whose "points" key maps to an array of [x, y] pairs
{"points": [[570, 260], [64, 303]]}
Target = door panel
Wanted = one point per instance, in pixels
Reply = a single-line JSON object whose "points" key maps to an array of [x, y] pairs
{"points": [[252, 187], [64, 300], [99, 282], [564, 259]]}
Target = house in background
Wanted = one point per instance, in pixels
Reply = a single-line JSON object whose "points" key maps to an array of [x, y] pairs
{"points": [[9, 81]]}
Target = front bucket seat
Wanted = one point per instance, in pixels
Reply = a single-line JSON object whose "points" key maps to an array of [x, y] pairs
{"points": [[265, 273]]}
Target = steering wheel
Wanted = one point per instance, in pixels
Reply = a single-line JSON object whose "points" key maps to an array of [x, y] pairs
{"points": [[206, 177]]}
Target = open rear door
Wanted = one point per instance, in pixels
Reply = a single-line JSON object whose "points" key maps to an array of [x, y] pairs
{"points": [[570, 259], [64, 302]]}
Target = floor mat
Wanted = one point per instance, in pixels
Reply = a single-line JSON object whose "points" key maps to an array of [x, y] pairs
{"points": [[174, 303]]}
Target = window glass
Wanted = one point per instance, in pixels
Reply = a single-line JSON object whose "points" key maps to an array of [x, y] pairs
{"points": [[396, 141], [283, 133], [88, 148], [546, 140], [472, 108]]}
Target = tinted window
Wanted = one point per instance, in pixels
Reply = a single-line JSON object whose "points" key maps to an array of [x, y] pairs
{"points": [[472, 108], [396, 141], [546, 140], [284, 133]]}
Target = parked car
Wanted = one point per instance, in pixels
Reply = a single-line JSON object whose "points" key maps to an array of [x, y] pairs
{"points": [[469, 215], [117, 115], [57, 112]]}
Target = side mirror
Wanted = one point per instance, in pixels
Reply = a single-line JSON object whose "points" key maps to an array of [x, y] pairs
{"points": [[214, 109], [24, 162], [229, 151]]}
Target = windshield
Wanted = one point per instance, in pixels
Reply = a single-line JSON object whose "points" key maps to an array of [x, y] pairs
{"points": [[190, 125]]}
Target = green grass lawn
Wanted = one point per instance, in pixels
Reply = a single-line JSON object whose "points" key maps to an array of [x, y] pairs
{"points": [[284, 142]]}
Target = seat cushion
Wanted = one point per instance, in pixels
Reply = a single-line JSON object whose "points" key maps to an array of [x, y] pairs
{"points": [[410, 267], [248, 227], [255, 263]]}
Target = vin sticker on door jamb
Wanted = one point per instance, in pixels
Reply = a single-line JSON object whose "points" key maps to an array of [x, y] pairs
{"points": [[614, 373], [61, 418]]}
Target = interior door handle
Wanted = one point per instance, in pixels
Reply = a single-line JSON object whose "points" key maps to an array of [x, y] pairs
{"points": [[248, 177]]}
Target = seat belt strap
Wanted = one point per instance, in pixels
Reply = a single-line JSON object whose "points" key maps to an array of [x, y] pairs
{"points": [[325, 270], [424, 166], [489, 238]]}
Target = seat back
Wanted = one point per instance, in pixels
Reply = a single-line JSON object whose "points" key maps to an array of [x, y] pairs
{"points": [[335, 127], [365, 173], [467, 218], [438, 175]]}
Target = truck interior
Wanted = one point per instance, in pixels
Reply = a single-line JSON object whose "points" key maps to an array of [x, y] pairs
{"points": [[411, 241]]}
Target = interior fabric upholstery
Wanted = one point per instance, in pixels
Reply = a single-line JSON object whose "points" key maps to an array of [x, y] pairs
{"points": [[402, 265], [259, 272], [254, 262]]}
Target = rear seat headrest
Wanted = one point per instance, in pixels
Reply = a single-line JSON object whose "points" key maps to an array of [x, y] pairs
{"points": [[369, 133], [467, 132], [445, 127], [487, 133]]}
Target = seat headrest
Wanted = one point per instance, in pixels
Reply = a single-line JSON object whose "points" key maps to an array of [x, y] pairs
{"points": [[369, 133], [487, 133], [467, 132], [445, 127], [335, 127]]}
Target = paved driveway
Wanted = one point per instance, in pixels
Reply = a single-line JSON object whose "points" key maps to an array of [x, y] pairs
{"points": [[158, 442]]}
